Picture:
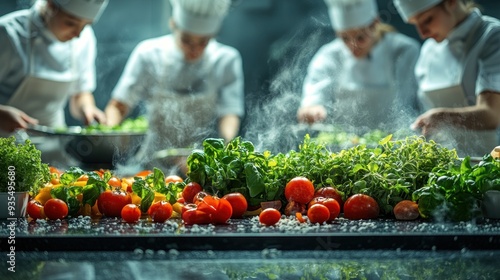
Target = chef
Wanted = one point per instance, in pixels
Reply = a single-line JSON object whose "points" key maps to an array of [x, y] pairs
{"points": [[365, 75], [458, 73], [47, 58], [191, 84]]}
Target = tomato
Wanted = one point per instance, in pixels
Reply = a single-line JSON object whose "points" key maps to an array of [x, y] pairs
{"points": [[130, 213], [194, 216], [269, 216], [35, 210], [238, 203], [299, 189], [330, 203], [206, 203], [223, 213], [318, 213], [115, 182], [160, 211], [190, 190], [55, 209], [361, 206], [143, 173], [406, 210], [111, 202], [173, 179], [293, 207], [330, 192]]}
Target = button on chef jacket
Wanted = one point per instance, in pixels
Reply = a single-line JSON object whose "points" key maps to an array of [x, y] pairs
{"points": [[183, 99], [362, 93], [470, 58], [52, 59]]}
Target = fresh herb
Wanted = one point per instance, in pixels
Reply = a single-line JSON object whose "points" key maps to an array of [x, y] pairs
{"points": [[24, 160], [155, 183], [389, 172], [454, 193]]}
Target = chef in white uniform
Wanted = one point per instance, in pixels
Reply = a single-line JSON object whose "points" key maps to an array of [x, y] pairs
{"points": [[458, 73], [47, 58], [364, 77], [191, 84]]}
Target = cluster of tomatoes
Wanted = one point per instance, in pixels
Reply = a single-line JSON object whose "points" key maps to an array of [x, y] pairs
{"points": [[320, 205]]}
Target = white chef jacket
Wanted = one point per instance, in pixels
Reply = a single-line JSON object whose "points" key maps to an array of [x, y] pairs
{"points": [[468, 62], [482, 72], [158, 65], [52, 59], [387, 70]]}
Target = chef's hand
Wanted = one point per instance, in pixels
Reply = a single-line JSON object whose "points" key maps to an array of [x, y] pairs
{"points": [[429, 122], [82, 107], [13, 118], [311, 114], [93, 114]]}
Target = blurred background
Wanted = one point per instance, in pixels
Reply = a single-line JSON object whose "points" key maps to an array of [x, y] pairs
{"points": [[276, 38]]}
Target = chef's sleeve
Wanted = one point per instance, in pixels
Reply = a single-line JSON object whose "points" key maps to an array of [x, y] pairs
{"points": [[6, 52], [489, 65], [405, 78], [131, 87], [86, 56], [231, 92], [319, 81]]}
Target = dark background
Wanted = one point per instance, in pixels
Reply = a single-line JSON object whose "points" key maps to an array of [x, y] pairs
{"points": [[277, 39]]}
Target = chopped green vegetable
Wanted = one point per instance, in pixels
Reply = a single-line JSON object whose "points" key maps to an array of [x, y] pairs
{"points": [[24, 162]]}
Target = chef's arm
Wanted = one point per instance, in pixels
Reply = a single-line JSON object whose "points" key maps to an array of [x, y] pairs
{"points": [[229, 127], [82, 107], [115, 112], [485, 115]]}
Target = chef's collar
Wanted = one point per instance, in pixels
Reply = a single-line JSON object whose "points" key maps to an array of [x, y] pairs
{"points": [[461, 32], [40, 29]]}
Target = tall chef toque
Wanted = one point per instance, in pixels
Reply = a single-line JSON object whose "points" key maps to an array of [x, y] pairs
{"points": [[348, 14], [201, 17], [410, 8], [85, 9]]}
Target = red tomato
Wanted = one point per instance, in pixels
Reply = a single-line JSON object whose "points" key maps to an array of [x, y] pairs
{"points": [[330, 203], [238, 203], [361, 207], [269, 216], [190, 190], [55, 209], [160, 211], [206, 203], [299, 189], [330, 192], [406, 210], [194, 216], [131, 213], [111, 202], [173, 179], [35, 210], [223, 213], [318, 213], [115, 182]]}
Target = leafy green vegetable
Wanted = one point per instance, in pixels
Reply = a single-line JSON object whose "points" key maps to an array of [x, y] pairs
{"points": [[25, 163], [389, 172], [155, 182], [454, 193]]}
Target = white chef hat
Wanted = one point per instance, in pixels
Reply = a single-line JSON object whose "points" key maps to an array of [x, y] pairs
{"points": [[85, 9], [202, 17], [409, 8], [348, 14]]}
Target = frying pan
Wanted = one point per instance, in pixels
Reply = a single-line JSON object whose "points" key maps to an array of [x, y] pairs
{"points": [[105, 148]]}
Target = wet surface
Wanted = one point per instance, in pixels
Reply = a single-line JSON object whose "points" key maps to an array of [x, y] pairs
{"points": [[112, 234]]}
